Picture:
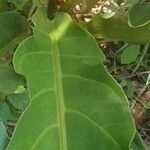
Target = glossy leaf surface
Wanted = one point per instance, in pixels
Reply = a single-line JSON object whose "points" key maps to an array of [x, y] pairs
{"points": [[75, 103]]}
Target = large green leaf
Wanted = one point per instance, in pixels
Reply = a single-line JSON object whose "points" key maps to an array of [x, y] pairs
{"points": [[115, 29], [139, 14], [75, 103], [13, 28], [3, 136]]}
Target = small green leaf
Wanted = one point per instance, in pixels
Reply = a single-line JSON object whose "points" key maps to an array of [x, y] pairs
{"points": [[139, 14], [20, 89], [4, 112], [130, 90], [13, 29], [14, 113], [130, 54], [138, 143], [19, 101], [9, 79], [147, 106], [123, 83], [3, 136]]}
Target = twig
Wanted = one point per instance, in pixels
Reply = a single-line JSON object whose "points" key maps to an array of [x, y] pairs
{"points": [[145, 86], [31, 12], [122, 48], [11, 123], [140, 73], [144, 52]]}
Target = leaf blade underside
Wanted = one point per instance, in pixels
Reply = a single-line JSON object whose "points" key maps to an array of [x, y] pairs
{"points": [[75, 103]]}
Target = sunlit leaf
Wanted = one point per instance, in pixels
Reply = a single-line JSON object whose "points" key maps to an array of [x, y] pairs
{"points": [[75, 104]]}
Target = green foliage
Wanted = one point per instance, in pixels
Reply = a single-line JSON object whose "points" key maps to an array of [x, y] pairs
{"points": [[129, 88], [21, 3], [13, 28], [115, 29], [18, 3], [138, 143], [4, 112], [147, 106], [131, 2], [20, 101], [74, 102], [3, 136], [70, 106], [9, 79], [139, 14], [3, 5], [130, 54]]}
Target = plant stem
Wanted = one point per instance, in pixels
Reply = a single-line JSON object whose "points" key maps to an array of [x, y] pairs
{"points": [[145, 86], [122, 48], [31, 11], [141, 59]]}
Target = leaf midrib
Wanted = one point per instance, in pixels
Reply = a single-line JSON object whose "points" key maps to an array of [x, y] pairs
{"points": [[59, 94]]}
